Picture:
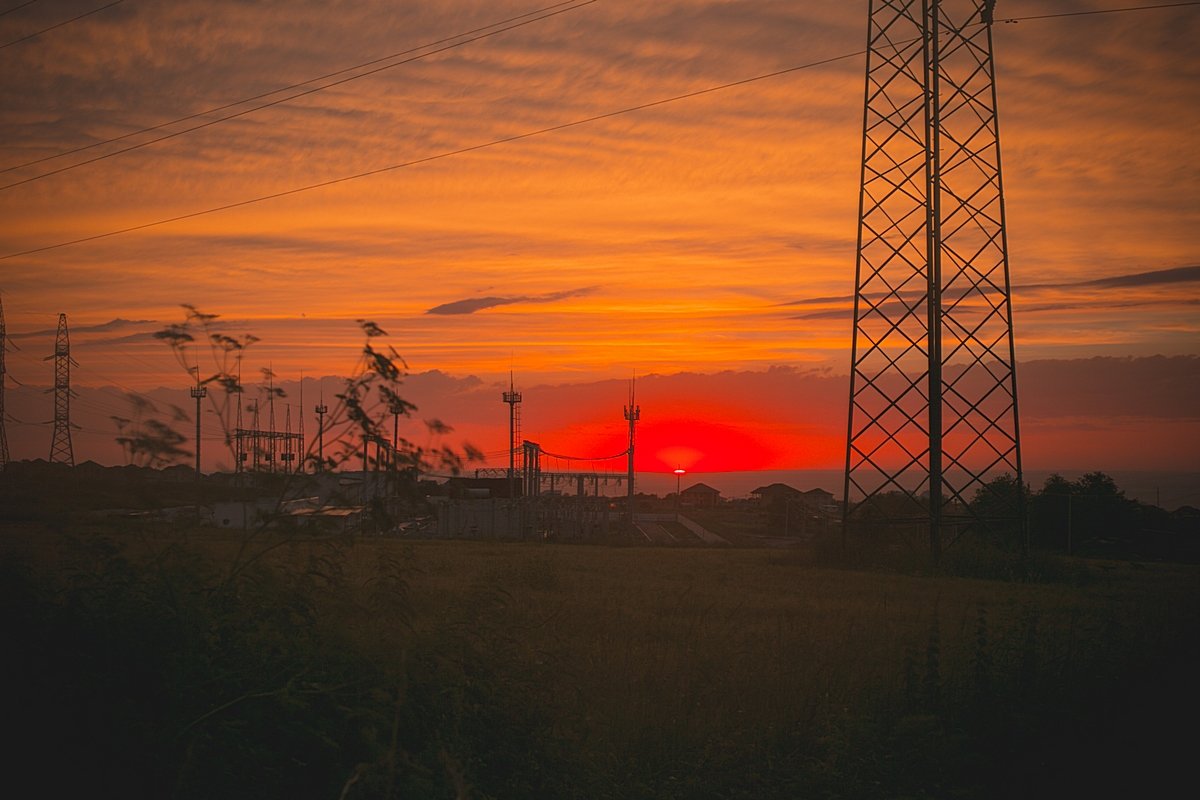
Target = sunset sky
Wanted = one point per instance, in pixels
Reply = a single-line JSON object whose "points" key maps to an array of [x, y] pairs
{"points": [[709, 242]]}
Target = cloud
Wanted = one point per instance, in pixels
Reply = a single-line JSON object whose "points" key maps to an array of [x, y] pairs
{"points": [[813, 301], [841, 306], [111, 325], [690, 208], [473, 304], [1106, 306], [1153, 278]]}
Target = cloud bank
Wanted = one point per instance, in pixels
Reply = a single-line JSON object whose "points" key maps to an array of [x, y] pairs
{"points": [[471, 305]]}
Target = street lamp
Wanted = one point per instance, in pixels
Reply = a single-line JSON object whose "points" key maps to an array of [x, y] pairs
{"points": [[679, 473]]}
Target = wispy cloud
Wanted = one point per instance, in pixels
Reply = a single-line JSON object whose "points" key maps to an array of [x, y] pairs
{"points": [[472, 304], [107, 327], [1154, 278], [839, 307]]}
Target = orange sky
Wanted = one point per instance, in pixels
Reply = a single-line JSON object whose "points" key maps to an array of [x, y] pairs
{"points": [[715, 233]]}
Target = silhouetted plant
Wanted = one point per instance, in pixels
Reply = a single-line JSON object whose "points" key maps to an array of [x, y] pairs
{"points": [[147, 440], [223, 353]]}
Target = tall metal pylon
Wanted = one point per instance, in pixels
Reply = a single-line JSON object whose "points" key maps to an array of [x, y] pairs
{"points": [[60, 443], [3, 432], [933, 395]]}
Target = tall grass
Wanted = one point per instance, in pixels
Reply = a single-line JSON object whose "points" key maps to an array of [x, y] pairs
{"points": [[458, 669]]}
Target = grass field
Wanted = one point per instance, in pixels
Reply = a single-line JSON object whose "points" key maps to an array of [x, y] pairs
{"points": [[165, 665]]}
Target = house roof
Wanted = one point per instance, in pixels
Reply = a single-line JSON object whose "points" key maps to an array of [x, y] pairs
{"points": [[776, 488], [700, 488]]}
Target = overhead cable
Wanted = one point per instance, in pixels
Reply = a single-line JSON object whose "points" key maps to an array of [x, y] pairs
{"points": [[8, 11], [481, 146], [279, 101], [59, 25], [424, 159]]}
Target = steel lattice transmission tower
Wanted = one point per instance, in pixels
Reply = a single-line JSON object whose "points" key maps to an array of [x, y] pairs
{"points": [[933, 398], [60, 444]]}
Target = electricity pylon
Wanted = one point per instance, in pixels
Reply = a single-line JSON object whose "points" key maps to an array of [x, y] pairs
{"points": [[933, 396], [60, 443]]}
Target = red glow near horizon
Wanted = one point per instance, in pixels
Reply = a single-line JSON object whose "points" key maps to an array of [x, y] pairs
{"points": [[699, 445], [695, 445]]}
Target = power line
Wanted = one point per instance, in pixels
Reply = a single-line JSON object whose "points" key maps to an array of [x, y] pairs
{"points": [[17, 8], [427, 159], [251, 99], [289, 98], [486, 145], [59, 25]]}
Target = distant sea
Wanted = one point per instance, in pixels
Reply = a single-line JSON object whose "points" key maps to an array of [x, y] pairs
{"points": [[1170, 490]]}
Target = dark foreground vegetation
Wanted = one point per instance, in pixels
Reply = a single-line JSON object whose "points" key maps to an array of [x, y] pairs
{"points": [[159, 663]]}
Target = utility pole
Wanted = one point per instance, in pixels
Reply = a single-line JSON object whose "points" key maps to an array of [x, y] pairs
{"points": [[513, 398], [198, 392], [272, 448], [933, 393], [60, 443], [633, 413], [321, 409]]}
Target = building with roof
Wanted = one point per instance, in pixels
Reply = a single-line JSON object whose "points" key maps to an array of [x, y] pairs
{"points": [[700, 495]]}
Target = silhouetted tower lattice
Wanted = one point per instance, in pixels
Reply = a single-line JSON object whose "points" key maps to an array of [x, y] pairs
{"points": [[513, 398], [3, 432], [933, 398], [60, 443]]}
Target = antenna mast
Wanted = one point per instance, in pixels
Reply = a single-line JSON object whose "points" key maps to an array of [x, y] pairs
{"points": [[633, 413], [513, 398]]}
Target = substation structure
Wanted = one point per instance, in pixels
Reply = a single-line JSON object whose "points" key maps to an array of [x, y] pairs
{"points": [[545, 504], [933, 394], [267, 450]]}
